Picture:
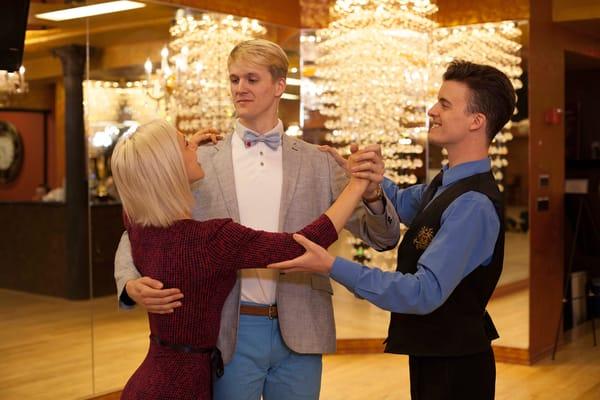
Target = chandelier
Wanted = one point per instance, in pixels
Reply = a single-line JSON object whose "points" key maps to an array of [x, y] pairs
{"points": [[371, 83], [12, 83], [372, 73], [493, 44], [192, 80]]}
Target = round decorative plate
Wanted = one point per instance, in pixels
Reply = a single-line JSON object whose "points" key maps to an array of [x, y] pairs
{"points": [[11, 152]]}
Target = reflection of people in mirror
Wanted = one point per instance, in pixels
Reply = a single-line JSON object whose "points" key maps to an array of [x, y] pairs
{"points": [[450, 259]]}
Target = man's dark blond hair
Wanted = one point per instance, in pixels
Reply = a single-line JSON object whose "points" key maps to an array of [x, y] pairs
{"points": [[264, 53]]}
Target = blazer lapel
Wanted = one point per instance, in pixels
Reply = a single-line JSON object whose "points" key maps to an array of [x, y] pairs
{"points": [[223, 167], [291, 162]]}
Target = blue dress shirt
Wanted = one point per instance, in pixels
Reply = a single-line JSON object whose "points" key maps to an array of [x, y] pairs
{"points": [[466, 239]]}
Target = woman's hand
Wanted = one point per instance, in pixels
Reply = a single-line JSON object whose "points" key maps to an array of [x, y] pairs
{"points": [[204, 136]]}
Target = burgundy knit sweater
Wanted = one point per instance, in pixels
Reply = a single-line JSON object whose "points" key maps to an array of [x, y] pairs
{"points": [[201, 259]]}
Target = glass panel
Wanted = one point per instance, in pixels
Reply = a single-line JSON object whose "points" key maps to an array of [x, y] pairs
{"points": [[328, 113], [44, 277], [132, 81]]}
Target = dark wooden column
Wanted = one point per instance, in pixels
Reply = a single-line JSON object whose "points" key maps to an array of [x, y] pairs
{"points": [[73, 59]]}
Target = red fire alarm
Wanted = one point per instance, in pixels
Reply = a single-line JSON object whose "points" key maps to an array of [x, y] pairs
{"points": [[553, 116]]}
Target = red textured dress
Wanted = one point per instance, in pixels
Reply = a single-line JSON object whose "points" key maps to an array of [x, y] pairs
{"points": [[202, 259]]}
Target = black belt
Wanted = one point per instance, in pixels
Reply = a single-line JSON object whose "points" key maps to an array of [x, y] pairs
{"points": [[216, 360]]}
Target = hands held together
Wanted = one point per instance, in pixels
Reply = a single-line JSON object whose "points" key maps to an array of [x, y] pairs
{"points": [[366, 163]]}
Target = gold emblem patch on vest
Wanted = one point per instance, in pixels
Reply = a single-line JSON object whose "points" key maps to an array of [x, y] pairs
{"points": [[423, 238]]}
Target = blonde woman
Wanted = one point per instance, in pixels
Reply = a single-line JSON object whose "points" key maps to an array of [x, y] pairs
{"points": [[153, 169]]}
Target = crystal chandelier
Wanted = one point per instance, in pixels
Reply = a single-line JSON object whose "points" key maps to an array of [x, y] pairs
{"points": [[372, 84], [494, 44], [12, 83], [192, 79], [372, 72]]}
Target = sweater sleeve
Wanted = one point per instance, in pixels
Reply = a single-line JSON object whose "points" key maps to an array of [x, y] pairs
{"points": [[243, 247]]}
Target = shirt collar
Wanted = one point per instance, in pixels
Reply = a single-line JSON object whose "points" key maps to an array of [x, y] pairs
{"points": [[464, 170], [241, 129]]}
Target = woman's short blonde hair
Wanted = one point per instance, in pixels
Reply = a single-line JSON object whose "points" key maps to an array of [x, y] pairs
{"points": [[150, 175], [264, 53]]}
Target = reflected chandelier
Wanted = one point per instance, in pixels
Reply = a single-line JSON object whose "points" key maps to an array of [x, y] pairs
{"points": [[372, 71], [193, 78], [372, 78], [493, 44], [12, 83]]}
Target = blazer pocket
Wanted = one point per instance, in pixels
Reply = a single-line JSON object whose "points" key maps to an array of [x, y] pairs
{"points": [[321, 282]]}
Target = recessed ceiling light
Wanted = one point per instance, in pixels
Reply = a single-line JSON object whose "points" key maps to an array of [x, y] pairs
{"points": [[91, 10]]}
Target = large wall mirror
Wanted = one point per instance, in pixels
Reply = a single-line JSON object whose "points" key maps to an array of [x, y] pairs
{"points": [[88, 82], [159, 61], [341, 105]]}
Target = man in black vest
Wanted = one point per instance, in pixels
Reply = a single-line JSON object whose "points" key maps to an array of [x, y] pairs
{"points": [[451, 257]]}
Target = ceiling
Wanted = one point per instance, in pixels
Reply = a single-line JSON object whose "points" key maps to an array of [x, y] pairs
{"points": [[124, 39]]}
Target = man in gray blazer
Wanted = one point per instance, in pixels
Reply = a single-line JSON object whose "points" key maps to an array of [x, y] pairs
{"points": [[274, 327]]}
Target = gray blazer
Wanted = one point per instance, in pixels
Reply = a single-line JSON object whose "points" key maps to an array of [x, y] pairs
{"points": [[312, 180]]}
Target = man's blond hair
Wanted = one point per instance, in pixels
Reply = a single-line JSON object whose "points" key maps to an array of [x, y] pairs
{"points": [[264, 53], [150, 176]]}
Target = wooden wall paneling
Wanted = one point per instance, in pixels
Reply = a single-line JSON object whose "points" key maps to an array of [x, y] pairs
{"points": [[280, 12], [548, 43], [58, 156], [33, 248], [463, 12], [30, 125]]}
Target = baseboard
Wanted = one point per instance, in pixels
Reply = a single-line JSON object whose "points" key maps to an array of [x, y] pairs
{"points": [[511, 355], [359, 346], [510, 288], [107, 396]]}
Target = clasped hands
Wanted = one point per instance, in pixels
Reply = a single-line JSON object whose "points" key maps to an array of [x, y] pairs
{"points": [[366, 163]]}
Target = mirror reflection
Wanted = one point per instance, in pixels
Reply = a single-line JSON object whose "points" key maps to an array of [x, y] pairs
{"points": [[173, 65], [87, 82], [44, 275], [331, 117]]}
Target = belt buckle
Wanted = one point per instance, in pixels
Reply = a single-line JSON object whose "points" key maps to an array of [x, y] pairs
{"points": [[272, 311]]}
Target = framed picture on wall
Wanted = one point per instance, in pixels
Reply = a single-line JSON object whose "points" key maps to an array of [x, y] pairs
{"points": [[11, 152]]}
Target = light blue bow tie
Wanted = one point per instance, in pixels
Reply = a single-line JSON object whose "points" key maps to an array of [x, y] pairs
{"points": [[273, 140]]}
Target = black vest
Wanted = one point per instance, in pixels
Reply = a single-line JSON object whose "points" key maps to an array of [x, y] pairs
{"points": [[461, 325]]}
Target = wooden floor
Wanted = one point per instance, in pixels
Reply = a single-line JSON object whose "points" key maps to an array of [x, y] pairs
{"points": [[574, 375], [57, 349], [46, 353]]}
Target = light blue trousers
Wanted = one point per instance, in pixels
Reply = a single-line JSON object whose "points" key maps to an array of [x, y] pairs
{"points": [[264, 365]]}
